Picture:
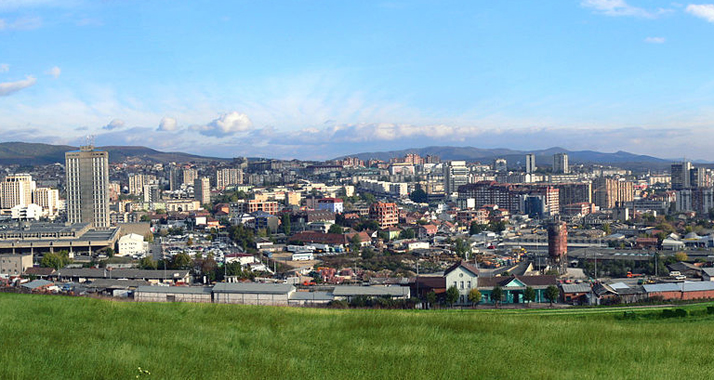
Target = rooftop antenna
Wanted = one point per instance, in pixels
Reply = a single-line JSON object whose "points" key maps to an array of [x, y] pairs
{"points": [[89, 140]]}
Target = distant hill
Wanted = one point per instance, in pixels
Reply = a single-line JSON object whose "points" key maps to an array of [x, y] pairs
{"points": [[516, 158], [21, 153]]}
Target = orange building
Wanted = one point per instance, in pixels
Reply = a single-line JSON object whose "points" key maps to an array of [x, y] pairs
{"points": [[386, 214]]}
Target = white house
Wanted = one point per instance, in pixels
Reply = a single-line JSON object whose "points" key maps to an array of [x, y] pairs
{"points": [[464, 276], [132, 244]]}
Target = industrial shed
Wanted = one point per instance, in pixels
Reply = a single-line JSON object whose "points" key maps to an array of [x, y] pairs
{"points": [[253, 293], [310, 298], [173, 294], [347, 292]]}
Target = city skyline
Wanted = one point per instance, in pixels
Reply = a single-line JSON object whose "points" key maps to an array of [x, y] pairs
{"points": [[316, 80]]}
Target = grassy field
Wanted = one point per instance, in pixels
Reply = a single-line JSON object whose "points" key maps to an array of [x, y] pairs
{"points": [[66, 338]]}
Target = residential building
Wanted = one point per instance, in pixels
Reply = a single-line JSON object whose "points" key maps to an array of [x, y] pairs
{"points": [[14, 265], [611, 192], [500, 165], [516, 198], [228, 176], [681, 176], [560, 163], [202, 190], [334, 205], [530, 163], [456, 174], [386, 214], [46, 198], [16, 190], [87, 172], [188, 176]]}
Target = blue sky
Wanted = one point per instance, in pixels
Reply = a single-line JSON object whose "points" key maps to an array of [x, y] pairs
{"points": [[319, 79]]}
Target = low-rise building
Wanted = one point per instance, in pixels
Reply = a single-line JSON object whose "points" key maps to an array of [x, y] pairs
{"points": [[198, 294], [253, 293], [132, 244], [14, 265]]}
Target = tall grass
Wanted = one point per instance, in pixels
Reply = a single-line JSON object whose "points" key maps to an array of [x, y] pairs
{"points": [[61, 338]]}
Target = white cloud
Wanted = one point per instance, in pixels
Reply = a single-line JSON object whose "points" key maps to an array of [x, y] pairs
{"points": [[55, 72], [620, 8], [227, 124], [655, 40], [114, 124], [705, 11], [8, 88], [23, 23], [4, 67], [167, 124]]}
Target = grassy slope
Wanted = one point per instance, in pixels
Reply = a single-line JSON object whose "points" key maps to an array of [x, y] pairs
{"points": [[57, 337]]}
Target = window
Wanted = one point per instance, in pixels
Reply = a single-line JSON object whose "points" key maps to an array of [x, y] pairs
{"points": [[462, 284], [469, 285]]}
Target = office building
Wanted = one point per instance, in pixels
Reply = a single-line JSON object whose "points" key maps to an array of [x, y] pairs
{"points": [[87, 171]]}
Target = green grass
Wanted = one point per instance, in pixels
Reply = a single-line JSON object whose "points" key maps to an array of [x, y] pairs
{"points": [[61, 338]]}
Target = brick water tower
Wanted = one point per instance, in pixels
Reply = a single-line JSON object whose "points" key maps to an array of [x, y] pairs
{"points": [[558, 246]]}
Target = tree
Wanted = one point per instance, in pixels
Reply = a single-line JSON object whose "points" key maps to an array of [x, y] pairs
{"points": [[182, 261], [497, 295], [147, 263], [606, 228], [335, 229], [551, 294], [529, 295], [431, 298], [109, 252], [189, 242], [407, 233], [475, 228], [57, 260], [474, 296], [355, 243], [367, 253], [419, 196], [285, 223], [461, 247], [452, 295], [497, 227], [681, 256]]}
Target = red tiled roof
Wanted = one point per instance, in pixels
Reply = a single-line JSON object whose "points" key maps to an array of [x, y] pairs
{"points": [[469, 267]]}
